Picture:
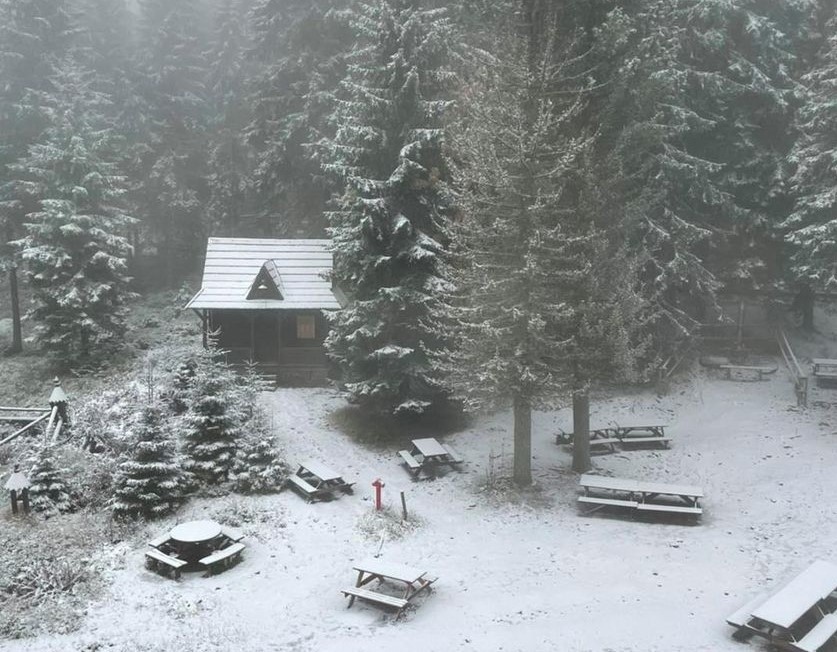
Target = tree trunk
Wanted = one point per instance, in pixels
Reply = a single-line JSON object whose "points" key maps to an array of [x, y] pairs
{"points": [[17, 338], [581, 431], [806, 305], [522, 474]]}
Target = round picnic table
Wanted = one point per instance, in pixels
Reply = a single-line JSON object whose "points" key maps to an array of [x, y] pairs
{"points": [[194, 540], [195, 531]]}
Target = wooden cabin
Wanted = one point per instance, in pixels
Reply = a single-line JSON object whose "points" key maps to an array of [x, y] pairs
{"points": [[265, 301]]}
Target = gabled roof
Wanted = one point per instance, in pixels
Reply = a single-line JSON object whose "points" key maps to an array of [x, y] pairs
{"points": [[297, 268]]}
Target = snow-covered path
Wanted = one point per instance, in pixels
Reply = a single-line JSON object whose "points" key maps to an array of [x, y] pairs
{"points": [[526, 574]]}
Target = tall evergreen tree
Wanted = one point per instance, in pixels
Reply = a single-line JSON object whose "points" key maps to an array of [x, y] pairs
{"points": [[74, 249], [34, 36], [147, 485], [298, 55], [170, 156], [544, 303], [230, 159], [811, 227], [390, 225]]}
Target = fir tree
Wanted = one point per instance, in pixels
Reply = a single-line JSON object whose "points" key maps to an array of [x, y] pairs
{"points": [[545, 300], [811, 227], [170, 129], [48, 490], [390, 225], [34, 36], [211, 426], [298, 51], [148, 484], [258, 468], [74, 252]]}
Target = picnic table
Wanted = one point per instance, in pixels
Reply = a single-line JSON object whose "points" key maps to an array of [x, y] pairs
{"points": [[639, 495], [606, 439], [412, 580], [314, 481], [824, 370], [799, 615], [195, 545], [426, 455]]}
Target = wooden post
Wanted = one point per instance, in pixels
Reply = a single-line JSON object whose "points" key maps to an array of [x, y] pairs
{"points": [[252, 336], [25, 495], [403, 506], [204, 327], [14, 501]]}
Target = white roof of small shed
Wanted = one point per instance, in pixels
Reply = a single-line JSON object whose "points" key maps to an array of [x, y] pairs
{"points": [[232, 265]]}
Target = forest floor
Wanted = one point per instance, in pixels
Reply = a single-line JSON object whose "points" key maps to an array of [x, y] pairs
{"points": [[518, 570]]}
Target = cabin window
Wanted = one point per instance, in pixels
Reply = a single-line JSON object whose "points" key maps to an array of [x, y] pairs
{"points": [[305, 327]]}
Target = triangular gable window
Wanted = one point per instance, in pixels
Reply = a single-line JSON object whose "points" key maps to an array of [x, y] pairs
{"points": [[266, 285]]}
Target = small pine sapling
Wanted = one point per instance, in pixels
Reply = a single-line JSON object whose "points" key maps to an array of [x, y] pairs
{"points": [[48, 492], [149, 483], [258, 468]]}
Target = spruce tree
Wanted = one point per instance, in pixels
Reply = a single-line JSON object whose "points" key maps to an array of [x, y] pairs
{"points": [[298, 51], [48, 490], [811, 227], [544, 300], [211, 426], [258, 468], [74, 249], [148, 484], [34, 36], [390, 224]]}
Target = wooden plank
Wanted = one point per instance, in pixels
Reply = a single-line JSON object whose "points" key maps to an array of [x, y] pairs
{"points": [[173, 562], [613, 484], [742, 616], [819, 635], [410, 460], [653, 507], [607, 502], [224, 553], [374, 596], [392, 570], [429, 447], [790, 603], [298, 482], [323, 472]]}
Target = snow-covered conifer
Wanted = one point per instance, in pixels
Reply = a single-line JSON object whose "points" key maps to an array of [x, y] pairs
{"points": [[48, 490], [258, 468], [149, 483], [390, 224]]}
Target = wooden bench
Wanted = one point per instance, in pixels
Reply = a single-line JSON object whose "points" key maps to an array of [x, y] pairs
{"points": [[663, 441], [455, 458], [742, 617], [606, 502], [374, 596], [756, 372], [410, 461], [163, 563], [233, 535], [224, 558], [819, 635], [652, 507], [307, 490], [159, 541]]}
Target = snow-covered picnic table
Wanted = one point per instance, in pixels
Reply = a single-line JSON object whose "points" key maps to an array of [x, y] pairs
{"points": [[412, 580], [195, 545], [426, 454], [824, 369], [799, 615], [315, 480], [639, 495]]}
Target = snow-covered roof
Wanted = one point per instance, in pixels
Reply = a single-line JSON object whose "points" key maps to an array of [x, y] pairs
{"points": [[298, 267]]}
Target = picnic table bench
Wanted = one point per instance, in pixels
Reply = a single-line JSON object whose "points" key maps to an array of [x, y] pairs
{"points": [[223, 558], [162, 563], [426, 455], [606, 439], [797, 616], [641, 496], [314, 481], [824, 370], [412, 580], [756, 372]]}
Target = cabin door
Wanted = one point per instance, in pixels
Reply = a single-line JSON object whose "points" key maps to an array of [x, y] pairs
{"points": [[266, 337]]}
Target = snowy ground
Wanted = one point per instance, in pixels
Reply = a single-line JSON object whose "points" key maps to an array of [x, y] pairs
{"points": [[515, 573]]}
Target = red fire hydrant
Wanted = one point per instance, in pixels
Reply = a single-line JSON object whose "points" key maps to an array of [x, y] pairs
{"points": [[378, 486]]}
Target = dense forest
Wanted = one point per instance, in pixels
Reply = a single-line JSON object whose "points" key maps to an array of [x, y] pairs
{"points": [[546, 191]]}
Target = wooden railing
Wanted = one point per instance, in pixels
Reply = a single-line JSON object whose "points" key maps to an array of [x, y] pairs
{"points": [[800, 378]]}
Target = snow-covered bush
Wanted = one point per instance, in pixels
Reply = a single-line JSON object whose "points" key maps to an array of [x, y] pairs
{"points": [[258, 468]]}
